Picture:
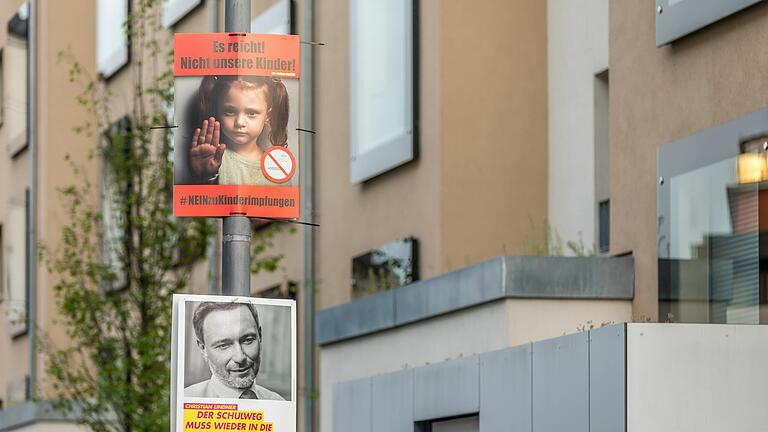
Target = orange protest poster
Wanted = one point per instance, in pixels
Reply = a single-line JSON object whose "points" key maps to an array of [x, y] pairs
{"points": [[236, 106]]}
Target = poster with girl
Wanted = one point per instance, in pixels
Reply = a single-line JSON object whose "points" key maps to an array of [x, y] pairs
{"points": [[236, 108]]}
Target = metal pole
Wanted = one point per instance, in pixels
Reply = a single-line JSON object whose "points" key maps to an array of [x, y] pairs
{"points": [[236, 262], [237, 16], [307, 188], [236, 259], [32, 221]]}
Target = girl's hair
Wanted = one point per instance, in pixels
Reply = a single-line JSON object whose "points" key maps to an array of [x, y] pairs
{"points": [[213, 88]]}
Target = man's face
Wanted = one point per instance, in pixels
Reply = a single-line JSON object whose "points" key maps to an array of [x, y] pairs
{"points": [[232, 346]]}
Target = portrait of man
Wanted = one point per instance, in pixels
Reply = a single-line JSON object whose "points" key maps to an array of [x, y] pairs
{"points": [[229, 337]]}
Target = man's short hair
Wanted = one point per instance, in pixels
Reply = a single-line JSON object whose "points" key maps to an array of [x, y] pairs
{"points": [[206, 308]]}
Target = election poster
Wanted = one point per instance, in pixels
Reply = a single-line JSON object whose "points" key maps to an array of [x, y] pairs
{"points": [[233, 364], [236, 105]]}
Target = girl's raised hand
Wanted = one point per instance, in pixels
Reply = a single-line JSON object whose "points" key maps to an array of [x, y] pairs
{"points": [[206, 150]]}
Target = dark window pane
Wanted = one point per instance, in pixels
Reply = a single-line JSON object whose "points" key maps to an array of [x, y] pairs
{"points": [[384, 268], [604, 223]]}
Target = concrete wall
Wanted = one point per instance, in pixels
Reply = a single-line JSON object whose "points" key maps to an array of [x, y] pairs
{"points": [[659, 95], [577, 44], [493, 105], [482, 86], [397, 204], [61, 29], [484, 328], [703, 378]]}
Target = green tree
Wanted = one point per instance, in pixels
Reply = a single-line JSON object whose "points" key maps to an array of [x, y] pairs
{"points": [[122, 254]]}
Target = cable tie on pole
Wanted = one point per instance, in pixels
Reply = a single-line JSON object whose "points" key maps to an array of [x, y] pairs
{"points": [[237, 34], [313, 43], [164, 127], [288, 221], [306, 130]]}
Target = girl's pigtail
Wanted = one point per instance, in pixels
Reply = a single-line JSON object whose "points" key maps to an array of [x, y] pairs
{"points": [[278, 118], [206, 105]]}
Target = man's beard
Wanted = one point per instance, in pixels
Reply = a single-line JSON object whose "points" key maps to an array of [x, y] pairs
{"points": [[233, 381]]}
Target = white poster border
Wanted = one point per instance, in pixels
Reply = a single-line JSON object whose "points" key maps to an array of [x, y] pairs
{"points": [[282, 414]]}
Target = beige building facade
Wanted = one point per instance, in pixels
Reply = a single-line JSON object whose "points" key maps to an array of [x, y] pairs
{"points": [[524, 123]]}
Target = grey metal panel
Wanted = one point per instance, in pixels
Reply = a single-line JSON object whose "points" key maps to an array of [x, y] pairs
{"points": [[393, 402], [607, 373], [456, 290], [352, 406], [570, 277], [561, 384], [505, 390], [677, 18], [447, 389], [362, 316]]}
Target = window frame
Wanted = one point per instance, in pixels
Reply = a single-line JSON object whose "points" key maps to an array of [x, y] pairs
{"points": [[18, 212], [604, 226], [110, 63], [678, 18], [278, 16], [2, 86], [175, 10], [392, 153], [12, 64], [111, 223], [363, 261]]}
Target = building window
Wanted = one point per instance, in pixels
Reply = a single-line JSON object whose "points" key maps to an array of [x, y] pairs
{"points": [[602, 159], [111, 41], [604, 226], [276, 19], [382, 64], [114, 209], [175, 10], [15, 265], [465, 424], [3, 284], [283, 290], [2, 89], [387, 267], [14, 71]]}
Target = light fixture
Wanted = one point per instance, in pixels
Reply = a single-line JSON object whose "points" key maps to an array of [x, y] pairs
{"points": [[752, 163]]}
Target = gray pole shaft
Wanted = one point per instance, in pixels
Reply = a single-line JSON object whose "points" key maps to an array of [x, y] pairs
{"points": [[237, 16], [307, 179], [236, 259], [32, 216]]}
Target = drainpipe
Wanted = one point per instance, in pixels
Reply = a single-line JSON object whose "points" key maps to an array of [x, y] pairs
{"points": [[32, 221]]}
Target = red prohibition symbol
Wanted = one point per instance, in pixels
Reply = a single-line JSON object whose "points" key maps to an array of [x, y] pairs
{"points": [[278, 164]]}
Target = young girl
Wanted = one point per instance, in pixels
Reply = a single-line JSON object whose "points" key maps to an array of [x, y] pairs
{"points": [[242, 117]]}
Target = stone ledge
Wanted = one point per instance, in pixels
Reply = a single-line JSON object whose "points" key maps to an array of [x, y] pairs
{"points": [[501, 277]]}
